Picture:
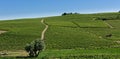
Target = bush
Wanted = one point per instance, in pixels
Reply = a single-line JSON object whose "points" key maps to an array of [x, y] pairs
{"points": [[119, 11], [68, 14], [107, 18], [34, 48], [64, 14]]}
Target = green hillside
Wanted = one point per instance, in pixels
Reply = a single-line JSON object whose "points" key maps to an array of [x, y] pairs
{"points": [[70, 36], [81, 31], [19, 33]]}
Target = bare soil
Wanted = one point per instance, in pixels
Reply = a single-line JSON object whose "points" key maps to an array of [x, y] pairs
{"points": [[43, 32], [13, 53], [2, 31]]}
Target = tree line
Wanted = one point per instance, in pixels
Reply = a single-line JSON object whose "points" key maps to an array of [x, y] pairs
{"points": [[63, 14]]}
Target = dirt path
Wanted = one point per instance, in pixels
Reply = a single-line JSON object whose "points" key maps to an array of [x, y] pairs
{"points": [[4, 53], [2, 31], [22, 52], [108, 24], [13, 53], [43, 32]]}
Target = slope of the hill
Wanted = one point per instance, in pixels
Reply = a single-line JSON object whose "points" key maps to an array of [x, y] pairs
{"points": [[81, 31], [19, 33], [83, 34]]}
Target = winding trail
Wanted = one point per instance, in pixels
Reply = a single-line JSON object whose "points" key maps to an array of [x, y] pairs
{"points": [[43, 32], [22, 52], [108, 24]]}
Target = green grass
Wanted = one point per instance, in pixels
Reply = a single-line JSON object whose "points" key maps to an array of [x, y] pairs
{"points": [[79, 31], [114, 23], [81, 54], [71, 36], [82, 32], [20, 32], [63, 38]]}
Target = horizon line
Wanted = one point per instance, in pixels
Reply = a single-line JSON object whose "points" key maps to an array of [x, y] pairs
{"points": [[58, 14]]}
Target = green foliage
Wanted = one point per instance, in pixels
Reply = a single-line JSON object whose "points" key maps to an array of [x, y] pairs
{"points": [[28, 47], [75, 31], [112, 17], [64, 14], [34, 48], [118, 11], [79, 31], [110, 53], [19, 33], [68, 14]]}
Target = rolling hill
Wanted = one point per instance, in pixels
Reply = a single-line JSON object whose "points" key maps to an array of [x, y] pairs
{"points": [[70, 36]]}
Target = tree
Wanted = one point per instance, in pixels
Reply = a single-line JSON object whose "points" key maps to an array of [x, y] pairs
{"points": [[38, 47], [76, 13], [119, 11], [104, 19], [64, 14], [34, 48], [29, 49]]}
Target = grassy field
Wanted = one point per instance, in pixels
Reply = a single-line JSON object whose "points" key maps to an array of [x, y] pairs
{"points": [[68, 37], [82, 32], [19, 33], [76, 31], [81, 54]]}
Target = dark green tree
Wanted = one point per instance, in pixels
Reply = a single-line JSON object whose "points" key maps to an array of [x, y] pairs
{"points": [[64, 14], [119, 11], [38, 47], [34, 48], [29, 49]]}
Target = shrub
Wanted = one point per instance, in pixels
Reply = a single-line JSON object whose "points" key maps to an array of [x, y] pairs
{"points": [[64, 14], [34, 48], [68, 13], [119, 11]]}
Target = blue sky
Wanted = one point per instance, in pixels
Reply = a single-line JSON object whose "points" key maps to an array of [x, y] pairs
{"points": [[11, 9]]}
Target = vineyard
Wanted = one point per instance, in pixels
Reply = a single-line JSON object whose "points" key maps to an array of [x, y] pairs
{"points": [[82, 32], [81, 54], [79, 32], [19, 33], [76, 36]]}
